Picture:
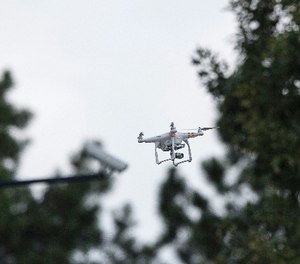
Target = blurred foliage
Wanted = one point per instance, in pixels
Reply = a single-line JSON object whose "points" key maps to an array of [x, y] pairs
{"points": [[46, 230], [259, 119], [66, 224], [122, 247]]}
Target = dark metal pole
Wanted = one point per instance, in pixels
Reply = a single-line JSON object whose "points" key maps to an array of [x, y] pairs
{"points": [[77, 178]]}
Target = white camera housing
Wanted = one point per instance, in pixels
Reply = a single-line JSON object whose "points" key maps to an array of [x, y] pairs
{"points": [[108, 161]]}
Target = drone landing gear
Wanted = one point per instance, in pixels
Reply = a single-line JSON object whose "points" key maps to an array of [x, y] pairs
{"points": [[180, 156], [156, 156], [174, 155]]}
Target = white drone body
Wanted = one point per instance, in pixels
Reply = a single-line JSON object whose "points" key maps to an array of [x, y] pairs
{"points": [[173, 141]]}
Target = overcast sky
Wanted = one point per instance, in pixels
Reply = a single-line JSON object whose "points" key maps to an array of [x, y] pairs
{"points": [[109, 70]]}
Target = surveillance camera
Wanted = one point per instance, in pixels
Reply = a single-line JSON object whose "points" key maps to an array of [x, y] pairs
{"points": [[96, 151]]}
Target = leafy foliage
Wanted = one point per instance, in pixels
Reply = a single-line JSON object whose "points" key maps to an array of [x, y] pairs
{"points": [[259, 106], [66, 224], [51, 229], [122, 246]]}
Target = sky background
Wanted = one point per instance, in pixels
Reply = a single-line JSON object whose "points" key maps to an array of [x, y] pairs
{"points": [[108, 70]]}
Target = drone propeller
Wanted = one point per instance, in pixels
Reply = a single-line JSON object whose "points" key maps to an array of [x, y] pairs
{"points": [[172, 127], [207, 128], [202, 128], [140, 137]]}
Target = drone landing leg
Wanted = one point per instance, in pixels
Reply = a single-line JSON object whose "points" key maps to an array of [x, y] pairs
{"points": [[190, 155], [156, 156], [173, 149], [190, 152]]}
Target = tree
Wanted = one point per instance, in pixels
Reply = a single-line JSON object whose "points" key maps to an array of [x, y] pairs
{"points": [[259, 114], [65, 225], [54, 229], [11, 205], [11, 118], [122, 247], [118, 244]]}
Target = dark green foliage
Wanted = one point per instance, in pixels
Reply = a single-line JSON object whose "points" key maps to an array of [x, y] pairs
{"points": [[67, 219], [10, 118], [259, 119], [259, 106], [194, 233], [13, 203], [122, 247], [65, 224], [214, 171], [63, 221], [173, 198]]}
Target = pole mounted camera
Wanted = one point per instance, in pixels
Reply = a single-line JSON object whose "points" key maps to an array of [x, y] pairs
{"points": [[93, 149], [108, 162]]}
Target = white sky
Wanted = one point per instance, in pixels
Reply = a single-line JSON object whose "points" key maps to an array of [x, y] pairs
{"points": [[108, 70]]}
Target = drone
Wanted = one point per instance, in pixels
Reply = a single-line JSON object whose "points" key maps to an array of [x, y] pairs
{"points": [[173, 141]]}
